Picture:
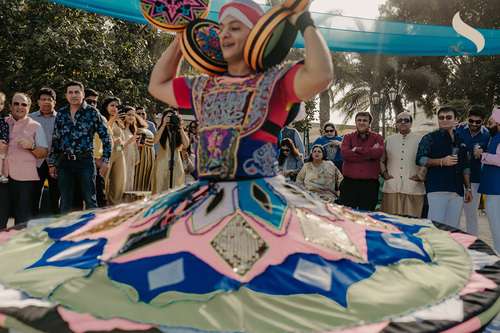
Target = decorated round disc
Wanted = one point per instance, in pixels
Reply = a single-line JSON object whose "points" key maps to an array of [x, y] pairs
{"points": [[201, 47], [270, 40], [296, 5], [277, 45], [173, 15]]}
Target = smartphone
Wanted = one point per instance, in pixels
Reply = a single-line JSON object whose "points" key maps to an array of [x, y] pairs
{"points": [[142, 139]]}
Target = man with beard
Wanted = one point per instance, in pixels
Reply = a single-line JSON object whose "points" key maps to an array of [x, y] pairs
{"points": [[476, 138], [490, 178], [46, 116], [445, 156]]}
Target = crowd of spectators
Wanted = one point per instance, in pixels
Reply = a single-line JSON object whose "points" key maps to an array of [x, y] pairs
{"points": [[87, 154], [440, 175], [93, 153]]}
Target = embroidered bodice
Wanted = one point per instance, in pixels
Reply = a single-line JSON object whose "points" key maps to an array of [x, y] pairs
{"points": [[230, 112]]}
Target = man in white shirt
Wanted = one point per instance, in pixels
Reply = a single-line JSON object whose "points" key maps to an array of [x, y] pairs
{"points": [[403, 192]]}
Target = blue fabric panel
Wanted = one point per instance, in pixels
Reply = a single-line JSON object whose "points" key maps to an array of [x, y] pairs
{"points": [[387, 249], [342, 33], [250, 205], [86, 260], [135, 274], [280, 280], [60, 232]]}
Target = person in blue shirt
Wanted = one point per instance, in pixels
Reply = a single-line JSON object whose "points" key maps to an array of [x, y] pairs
{"points": [[476, 138], [331, 142], [291, 133], [71, 159], [445, 156], [490, 178]]}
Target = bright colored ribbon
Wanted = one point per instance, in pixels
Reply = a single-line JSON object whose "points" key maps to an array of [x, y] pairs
{"points": [[342, 33]]}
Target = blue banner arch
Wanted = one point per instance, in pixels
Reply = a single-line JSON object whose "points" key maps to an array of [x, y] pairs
{"points": [[342, 33]]}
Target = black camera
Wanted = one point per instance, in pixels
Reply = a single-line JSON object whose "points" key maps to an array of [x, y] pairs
{"points": [[175, 121]]}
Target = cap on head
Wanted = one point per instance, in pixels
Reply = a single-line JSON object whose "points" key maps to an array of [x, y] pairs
{"points": [[246, 11]]}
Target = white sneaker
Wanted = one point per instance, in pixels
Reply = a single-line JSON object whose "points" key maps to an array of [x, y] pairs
{"points": [[4, 180]]}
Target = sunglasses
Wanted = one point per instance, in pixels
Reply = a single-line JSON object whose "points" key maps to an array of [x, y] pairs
{"points": [[285, 150], [475, 122], [449, 117], [22, 104], [329, 131], [403, 121], [91, 101]]}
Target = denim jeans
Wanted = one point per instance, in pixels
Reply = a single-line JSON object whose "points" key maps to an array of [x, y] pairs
{"points": [[77, 175]]}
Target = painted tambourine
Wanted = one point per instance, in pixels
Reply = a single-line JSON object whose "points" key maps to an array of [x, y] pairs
{"points": [[296, 6], [200, 45], [270, 40], [173, 15]]}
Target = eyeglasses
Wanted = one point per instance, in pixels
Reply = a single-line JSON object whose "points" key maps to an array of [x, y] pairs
{"points": [[285, 150], [329, 131], [475, 122], [91, 101], [22, 104], [403, 121], [449, 117]]}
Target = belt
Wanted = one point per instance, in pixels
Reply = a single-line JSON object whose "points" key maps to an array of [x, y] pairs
{"points": [[75, 157]]}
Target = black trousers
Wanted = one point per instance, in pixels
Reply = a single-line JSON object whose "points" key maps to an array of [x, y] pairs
{"points": [[361, 194], [100, 190], [17, 201], [54, 194]]}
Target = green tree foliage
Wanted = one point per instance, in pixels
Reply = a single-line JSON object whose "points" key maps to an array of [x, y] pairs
{"points": [[423, 81], [474, 79], [43, 44]]}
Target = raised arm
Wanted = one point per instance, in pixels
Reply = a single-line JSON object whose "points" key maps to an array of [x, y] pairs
{"points": [[317, 73], [160, 83], [184, 137]]}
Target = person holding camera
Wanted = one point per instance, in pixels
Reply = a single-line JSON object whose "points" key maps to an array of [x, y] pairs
{"points": [[168, 170]]}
